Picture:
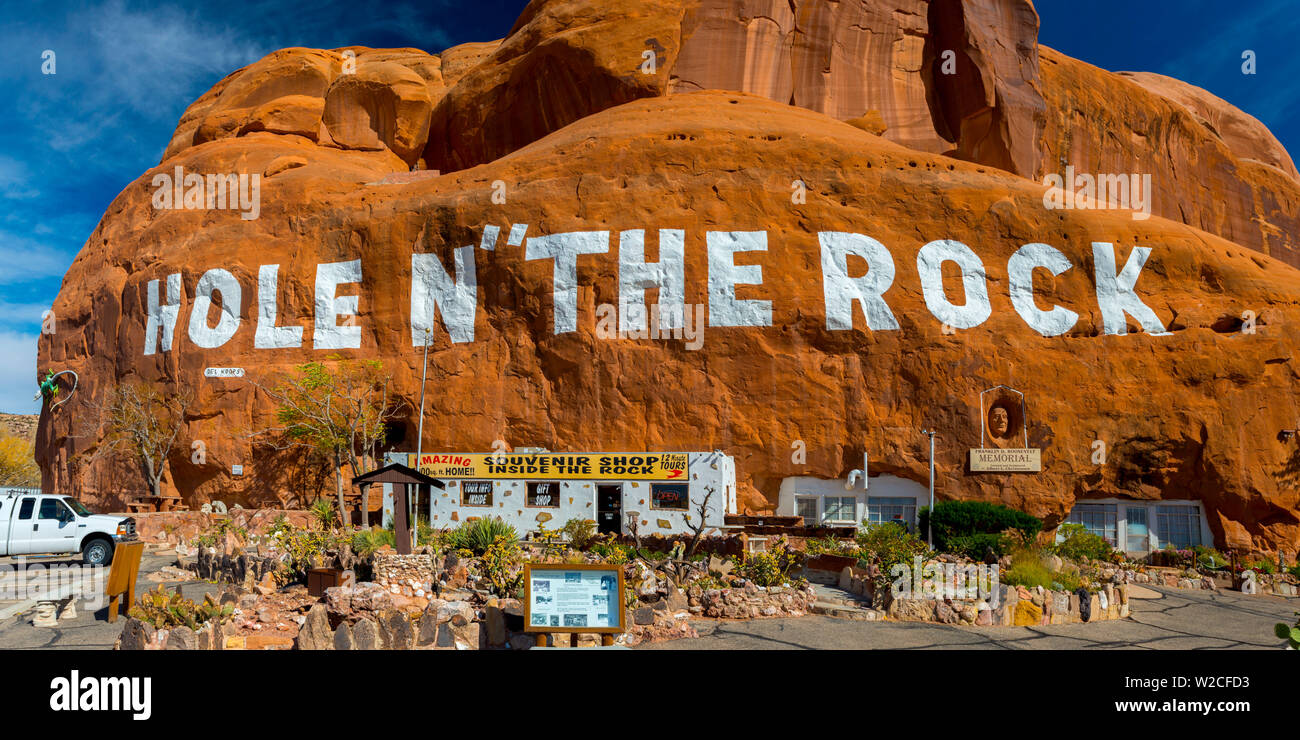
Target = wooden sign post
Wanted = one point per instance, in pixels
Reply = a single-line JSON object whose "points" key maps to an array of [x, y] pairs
{"points": [[574, 598], [122, 575]]}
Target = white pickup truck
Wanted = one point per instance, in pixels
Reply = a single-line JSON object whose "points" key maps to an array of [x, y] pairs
{"points": [[34, 523]]}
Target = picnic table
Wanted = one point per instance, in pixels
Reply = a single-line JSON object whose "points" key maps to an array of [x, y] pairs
{"points": [[156, 503]]}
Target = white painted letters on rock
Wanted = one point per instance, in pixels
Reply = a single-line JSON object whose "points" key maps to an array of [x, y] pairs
{"points": [[329, 333]]}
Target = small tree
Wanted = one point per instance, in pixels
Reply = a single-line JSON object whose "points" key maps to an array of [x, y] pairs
{"points": [[633, 519], [339, 410], [698, 527], [17, 462], [143, 422]]}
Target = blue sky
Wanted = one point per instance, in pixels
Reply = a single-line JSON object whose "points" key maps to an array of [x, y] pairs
{"points": [[125, 71]]}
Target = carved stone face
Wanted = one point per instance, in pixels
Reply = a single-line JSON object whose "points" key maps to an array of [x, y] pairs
{"points": [[999, 421]]}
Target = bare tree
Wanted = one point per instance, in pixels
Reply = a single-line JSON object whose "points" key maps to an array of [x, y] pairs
{"points": [[339, 410], [698, 527], [144, 422], [634, 527]]}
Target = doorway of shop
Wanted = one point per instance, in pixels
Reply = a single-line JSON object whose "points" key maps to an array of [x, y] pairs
{"points": [[609, 505]]}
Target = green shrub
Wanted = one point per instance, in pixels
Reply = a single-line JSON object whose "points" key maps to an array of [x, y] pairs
{"points": [[709, 583], [962, 519], [580, 532], [1208, 557], [1066, 580], [503, 566], [367, 541], [215, 535], [886, 544], [477, 536], [324, 511], [1080, 544], [1029, 569], [829, 546], [975, 546], [612, 552], [770, 568]]}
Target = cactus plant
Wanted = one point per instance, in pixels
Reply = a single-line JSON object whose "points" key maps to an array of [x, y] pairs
{"points": [[165, 609]]}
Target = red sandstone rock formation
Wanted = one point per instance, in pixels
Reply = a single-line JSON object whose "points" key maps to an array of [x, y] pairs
{"points": [[1204, 176], [584, 137]]}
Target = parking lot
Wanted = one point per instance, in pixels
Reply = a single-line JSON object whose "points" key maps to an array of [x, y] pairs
{"points": [[90, 628]]}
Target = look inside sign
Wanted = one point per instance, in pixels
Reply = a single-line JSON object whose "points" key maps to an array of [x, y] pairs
{"points": [[567, 597], [580, 466]]}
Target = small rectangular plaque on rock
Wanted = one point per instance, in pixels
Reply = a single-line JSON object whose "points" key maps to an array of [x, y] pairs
{"points": [[991, 460]]}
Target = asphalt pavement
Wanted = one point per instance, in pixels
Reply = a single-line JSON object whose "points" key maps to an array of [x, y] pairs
{"points": [[1169, 619], [89, 630]]}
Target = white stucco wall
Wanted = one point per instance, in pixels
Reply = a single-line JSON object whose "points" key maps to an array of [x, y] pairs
{"points": [[882, 486], [578, 499], [1121, 514]]}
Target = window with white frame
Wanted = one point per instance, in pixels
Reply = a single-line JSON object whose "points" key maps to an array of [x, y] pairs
{"points": [[839, 509], [806, 507], [1179, 526], [1100, 519], [891, 509]]}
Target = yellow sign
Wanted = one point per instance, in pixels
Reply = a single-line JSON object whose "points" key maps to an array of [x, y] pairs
{"points": [[990, 460], [582, 466]]}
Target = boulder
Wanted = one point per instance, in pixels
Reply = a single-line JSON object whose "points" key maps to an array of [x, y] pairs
{"points": [[315, 633], [182, 638], [399, 633], [366, 635], [465, 635], [343, 638], [136, 635], [382, 105], [371, 597], [496, 624], [428, 634]]}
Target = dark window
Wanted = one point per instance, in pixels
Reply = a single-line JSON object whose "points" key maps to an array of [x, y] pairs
{"points": [[476, 493], [671, 496], [543, 493], [25, 512], [50, 508]]}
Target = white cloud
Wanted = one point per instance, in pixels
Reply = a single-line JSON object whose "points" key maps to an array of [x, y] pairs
{"points": [[160, 54], [21, 314], [15, 180], [18, 373], [23, 259]]}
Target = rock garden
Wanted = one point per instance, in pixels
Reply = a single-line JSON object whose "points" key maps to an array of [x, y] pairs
{"points": [[462, 587]]}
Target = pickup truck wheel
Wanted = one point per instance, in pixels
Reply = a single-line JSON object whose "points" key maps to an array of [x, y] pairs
{"points": [[98, 551]]}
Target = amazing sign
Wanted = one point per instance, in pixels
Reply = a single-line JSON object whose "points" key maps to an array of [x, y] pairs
{"points": [[582, 466]]}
